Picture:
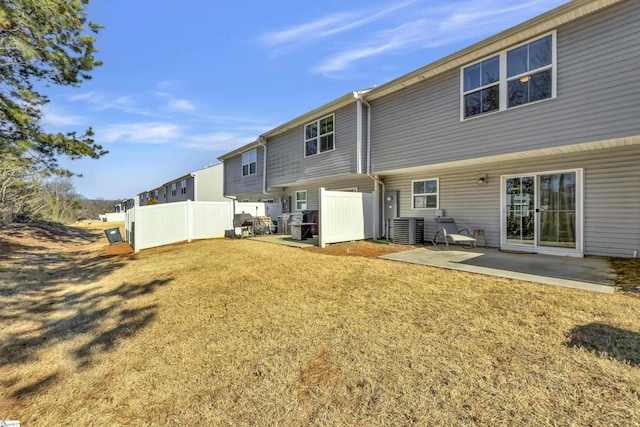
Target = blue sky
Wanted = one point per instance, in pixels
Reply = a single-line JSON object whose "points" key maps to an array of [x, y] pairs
{"points": [[184, 82]]}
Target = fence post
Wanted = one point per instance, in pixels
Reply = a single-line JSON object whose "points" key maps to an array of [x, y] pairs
{"points": [[321, 216], [189, 221], [138, 236]]}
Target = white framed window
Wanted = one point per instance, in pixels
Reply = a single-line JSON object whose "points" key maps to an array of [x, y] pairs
{"points": [[249, 162], [319, 136], [301, 200], [425, 194], [521, 75], [183, 186], [173, 189]]}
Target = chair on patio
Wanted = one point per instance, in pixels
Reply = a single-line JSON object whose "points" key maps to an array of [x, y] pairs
{"points": [[448, 230], [262, 225]]}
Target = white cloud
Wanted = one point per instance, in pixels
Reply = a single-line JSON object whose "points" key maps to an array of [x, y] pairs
{"points": [[283, 41], [181, 105], [150, 133], [436, 26], [58, 119], [100, 101], [219, 141]]}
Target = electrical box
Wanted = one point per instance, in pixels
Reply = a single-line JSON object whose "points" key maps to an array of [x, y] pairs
{"points": [[391, 210], [286, 204], [391, 205]]}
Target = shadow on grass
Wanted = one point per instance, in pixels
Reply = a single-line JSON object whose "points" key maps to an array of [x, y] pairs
{"points": [[608, 341], [36, 386], [51, 295], [57, 319]]}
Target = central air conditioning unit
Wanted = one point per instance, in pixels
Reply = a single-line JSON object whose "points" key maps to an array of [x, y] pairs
{"points": [[407, 231]]}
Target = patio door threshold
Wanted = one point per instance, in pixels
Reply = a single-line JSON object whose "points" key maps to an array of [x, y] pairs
{"points": [[543, 250]]}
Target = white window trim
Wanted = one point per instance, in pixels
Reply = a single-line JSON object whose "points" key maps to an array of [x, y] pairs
{"points": [[249, 162], [317, 122], [580, 209], [174, 189], [306, 198], [437, 180], [502, 85]]}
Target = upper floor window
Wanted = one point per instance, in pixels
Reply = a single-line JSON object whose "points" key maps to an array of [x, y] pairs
{"points": [[318, 136], [301, 200], [183, 186], [424, 194], [514, 77], [173, 189], [249, 162]]}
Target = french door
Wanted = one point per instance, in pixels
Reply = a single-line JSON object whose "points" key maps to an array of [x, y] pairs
{"points": [[543, 212]]}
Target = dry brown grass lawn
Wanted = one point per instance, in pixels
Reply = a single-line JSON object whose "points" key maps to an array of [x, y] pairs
{"points": [[241, 332]]}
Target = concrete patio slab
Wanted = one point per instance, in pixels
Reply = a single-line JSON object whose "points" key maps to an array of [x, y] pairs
{"points": [[589, 273]]}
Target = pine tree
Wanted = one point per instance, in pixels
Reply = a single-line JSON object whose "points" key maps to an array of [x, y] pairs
{"points": [[42, 42]]}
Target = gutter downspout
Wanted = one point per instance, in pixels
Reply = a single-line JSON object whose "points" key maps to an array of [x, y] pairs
{"points": [[358, 133], [264, 164], [379, 183]]}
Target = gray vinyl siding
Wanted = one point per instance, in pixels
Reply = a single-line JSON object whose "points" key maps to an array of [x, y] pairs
{"points": [[179, 197], [611, 196], [598, 59], [235, 183], [287, 163], [363, 183]]}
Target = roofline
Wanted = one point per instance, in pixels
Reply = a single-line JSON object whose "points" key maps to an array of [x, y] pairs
{"points": [[239, 150], [540, 24], [327, 108], [298, 121]]}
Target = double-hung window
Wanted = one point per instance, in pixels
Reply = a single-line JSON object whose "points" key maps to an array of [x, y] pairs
{"points": [[173, 189], [424, 194], [249, 162], [301, 200], [482, 87], [318, 136], [183, 186], [511, 78]]}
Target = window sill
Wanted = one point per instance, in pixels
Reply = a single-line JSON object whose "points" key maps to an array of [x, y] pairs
{"points": [[517, 107]]}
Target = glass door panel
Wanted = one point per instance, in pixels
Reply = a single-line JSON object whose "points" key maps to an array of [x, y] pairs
{"points": [[520, 210], [557, 202]]}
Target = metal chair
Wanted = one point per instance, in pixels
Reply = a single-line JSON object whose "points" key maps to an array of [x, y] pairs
{"points": [[448, 229]]}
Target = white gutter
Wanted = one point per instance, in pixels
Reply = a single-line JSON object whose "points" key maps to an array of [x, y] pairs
{"points": [[379, 183], [358, 132], [264, 165]]}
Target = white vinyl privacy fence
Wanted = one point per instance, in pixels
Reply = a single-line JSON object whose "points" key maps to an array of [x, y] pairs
{"points": [[343, 216], [346, 216], [163, 224], [112, 217]]}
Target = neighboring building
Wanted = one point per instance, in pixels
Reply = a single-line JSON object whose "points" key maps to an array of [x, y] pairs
{"points": [[532, 135], [125, 205], [204, 185], [318, 149]]}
